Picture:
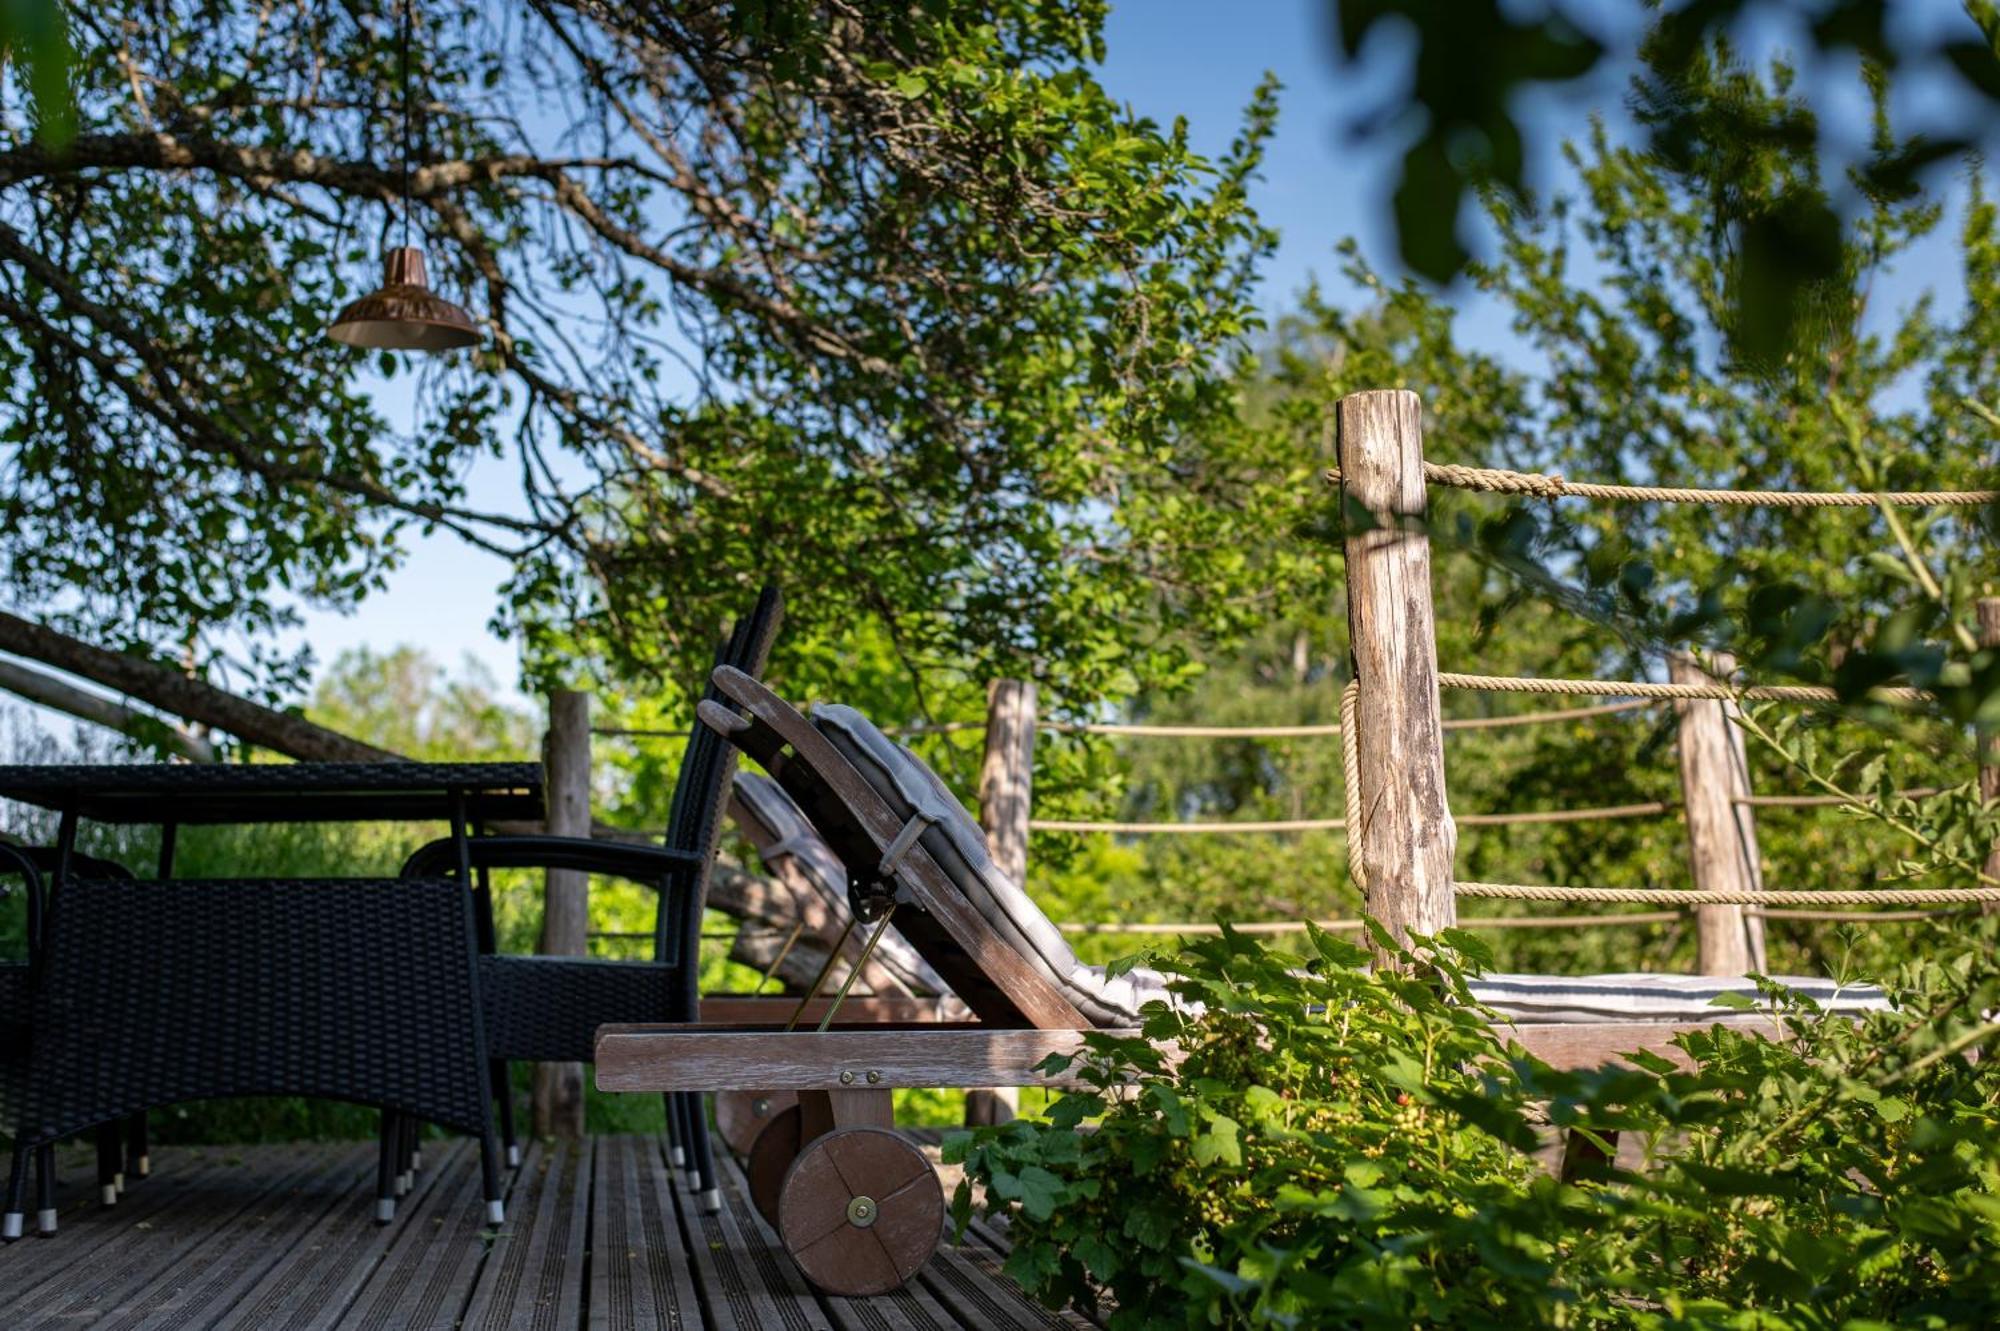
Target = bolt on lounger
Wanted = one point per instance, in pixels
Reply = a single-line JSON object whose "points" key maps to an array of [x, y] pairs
{"points": [[858, 1206]]}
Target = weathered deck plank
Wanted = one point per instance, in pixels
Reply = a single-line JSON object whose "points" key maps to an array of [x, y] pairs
{"points": [[317, 1280], [533, 1276], [599, 1235], [640, 1276]]}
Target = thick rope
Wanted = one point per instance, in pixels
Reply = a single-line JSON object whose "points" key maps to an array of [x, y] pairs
{"points": [[1921, 896], [1542, 485], [1350, 778], [1648, 689], [1320, 730], [1335, 926], [1649, 809], [1142, 829]]}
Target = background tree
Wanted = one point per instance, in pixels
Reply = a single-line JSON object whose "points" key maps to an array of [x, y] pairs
{"points": [[893, 300], [1622, 299]]}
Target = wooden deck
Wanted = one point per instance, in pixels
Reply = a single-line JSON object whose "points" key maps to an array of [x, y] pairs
{"points": [[598, 1236]]}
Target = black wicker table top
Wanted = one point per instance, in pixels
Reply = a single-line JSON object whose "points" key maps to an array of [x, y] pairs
{"points": [[278, 792]]}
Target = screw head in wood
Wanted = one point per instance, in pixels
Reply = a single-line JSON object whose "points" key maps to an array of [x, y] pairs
{"points": [[846, 1078], [861, 1212], [874, 1077]]}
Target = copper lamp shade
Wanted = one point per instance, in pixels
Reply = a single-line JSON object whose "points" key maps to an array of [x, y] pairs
{"points": [[404, 314]]}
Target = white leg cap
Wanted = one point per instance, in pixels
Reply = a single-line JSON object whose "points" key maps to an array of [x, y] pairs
{"points": [[118, 1181], [711, 1201], [45, 1222], [108, 1194], [10, 1227], [514, 1157], [496, 1213], [679, 1157], [145, 1163], [385, 1210], [416, 1162]]}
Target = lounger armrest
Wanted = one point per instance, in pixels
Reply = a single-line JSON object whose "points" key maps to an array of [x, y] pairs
{"points": [[691, 1058], [650, 865]]}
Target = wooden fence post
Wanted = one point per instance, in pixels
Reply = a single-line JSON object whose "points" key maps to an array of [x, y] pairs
{"points": [[1006, 798], [1722, 829], [1989, 743], [1400, 831], [558, 1087]]}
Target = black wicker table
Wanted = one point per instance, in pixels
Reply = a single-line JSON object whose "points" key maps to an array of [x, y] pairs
{"points": [[170, 795]]}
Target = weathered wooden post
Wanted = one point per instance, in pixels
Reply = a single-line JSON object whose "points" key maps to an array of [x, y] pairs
{"points": [[1400, 831], [1006, 799], [1722, 828], [1989, 743], [558, 1087]]}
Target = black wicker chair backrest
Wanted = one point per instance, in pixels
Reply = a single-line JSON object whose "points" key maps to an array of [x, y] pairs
{"points": [[701, 793]]}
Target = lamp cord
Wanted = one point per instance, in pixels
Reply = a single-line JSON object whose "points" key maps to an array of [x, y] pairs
{"points": [[408, 136]]}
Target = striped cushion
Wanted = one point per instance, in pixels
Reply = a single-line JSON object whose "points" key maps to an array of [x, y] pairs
{"points": [[958, 845], [1638, 996]]}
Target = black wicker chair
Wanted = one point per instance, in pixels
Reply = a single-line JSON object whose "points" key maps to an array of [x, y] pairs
{"points": [[363, 990], [53, 865], [548, 1009], [15, 999]]}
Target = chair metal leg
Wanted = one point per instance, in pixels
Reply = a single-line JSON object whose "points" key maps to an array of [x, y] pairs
{"points": [[45, 1190], [108, 1147], [677, 1132], [17, 1181], [503, 1099], [489, 1177], [138, 1156], [385, 1169], [703, 1164], [406, 1135]]}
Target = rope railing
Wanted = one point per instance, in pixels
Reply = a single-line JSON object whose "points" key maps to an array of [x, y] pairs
{"points": [[1186, 829], [1143, 730], [1545, 485], [1149, 928], [1523, 818], [1642, 688], [1669, 896]]}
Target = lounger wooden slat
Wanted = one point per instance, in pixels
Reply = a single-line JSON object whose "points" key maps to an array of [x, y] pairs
{"points": [[683, 1058]]}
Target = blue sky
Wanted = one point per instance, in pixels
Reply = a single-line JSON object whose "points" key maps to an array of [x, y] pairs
{"points": [[1200, 59]]}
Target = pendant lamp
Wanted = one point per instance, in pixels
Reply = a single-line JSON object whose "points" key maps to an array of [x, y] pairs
{"points": [[404, 314]]}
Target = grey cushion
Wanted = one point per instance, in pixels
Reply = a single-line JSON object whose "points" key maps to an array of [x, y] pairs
{"points": [[790, 833], [1645, 997], [958, 845]]}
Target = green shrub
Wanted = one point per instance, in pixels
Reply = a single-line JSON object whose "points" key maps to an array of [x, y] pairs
{"points": [[1347, 1147]]}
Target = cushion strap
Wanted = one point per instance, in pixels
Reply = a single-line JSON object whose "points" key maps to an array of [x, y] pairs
{"points": [[920, 822]]}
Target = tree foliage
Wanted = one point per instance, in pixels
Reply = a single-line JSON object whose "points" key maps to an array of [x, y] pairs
{"points": [[1460, 114], [891, 301], [1340, 1147]]}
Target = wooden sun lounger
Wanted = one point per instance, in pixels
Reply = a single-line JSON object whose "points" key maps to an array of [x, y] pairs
{"points": [[871, 1238]]}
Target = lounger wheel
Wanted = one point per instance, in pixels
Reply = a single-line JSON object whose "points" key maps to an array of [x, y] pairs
{"points": [[741, 1115], [770, 1157], [861, 1211]]}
